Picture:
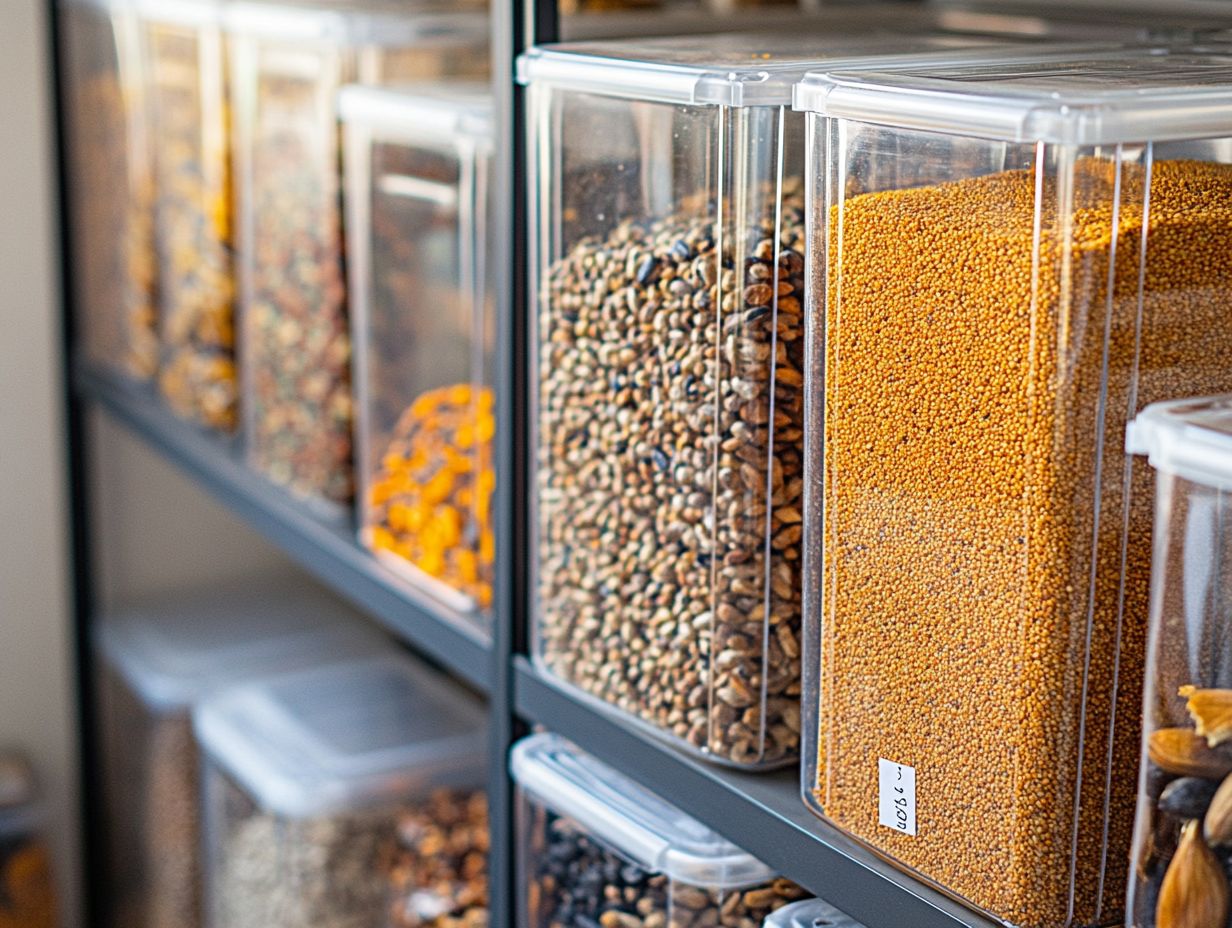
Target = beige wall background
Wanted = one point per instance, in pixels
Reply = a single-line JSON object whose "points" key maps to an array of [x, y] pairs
{"points": [[37, 711]]}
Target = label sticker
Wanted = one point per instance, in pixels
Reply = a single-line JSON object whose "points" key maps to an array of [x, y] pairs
{"points": [[896, 801]]}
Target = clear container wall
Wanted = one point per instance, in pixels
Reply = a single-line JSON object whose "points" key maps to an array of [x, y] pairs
{"points": [[992, 315], [669, 466], [423, 327], [151, 802], [295, 344], [110, 189], [185, 69], [1182, 826], [569, 877]]}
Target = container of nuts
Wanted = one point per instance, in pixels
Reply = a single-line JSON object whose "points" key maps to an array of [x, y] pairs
{"points": [[1182, 860], [418, 168], [184, 69], [1014, 254], [109, 186], [320, 791], [668, 377], [597, 849], [288, 62], [158, 658]]}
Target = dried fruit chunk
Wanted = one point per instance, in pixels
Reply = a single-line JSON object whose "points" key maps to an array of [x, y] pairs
{"points": [[1211, 711], [1195, 891], [1180, 751]]}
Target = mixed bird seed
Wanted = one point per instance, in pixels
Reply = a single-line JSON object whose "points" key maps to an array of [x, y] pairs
{"points": [[670, 474]]}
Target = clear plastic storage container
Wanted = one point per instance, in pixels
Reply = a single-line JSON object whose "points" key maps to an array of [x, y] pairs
{"points": [[668, 424], [597, 848], [1013, 254], [418, 209], [158, 659], [184, 66], [288, 62], [1184, 824], [27, 894], [810, 913], [305, 777], [109, 186]]}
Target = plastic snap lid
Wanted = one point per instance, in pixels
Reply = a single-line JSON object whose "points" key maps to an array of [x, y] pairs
{"points": [[386, 23], [810, 913], [1190, 438], [629, 818], [180, 12], [1055, 94], [728, 69], [175, 650], [432, 112], [345, 736]]}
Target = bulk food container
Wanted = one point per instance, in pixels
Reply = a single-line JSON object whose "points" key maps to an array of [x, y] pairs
{"points": [[1184, 824], [418, 171], [809, 913], [305, 777], [184, 70], [668, 425], [109, 186], [288, 62], [597, 848], [158, 659], [27, 895], [1012, 255]]}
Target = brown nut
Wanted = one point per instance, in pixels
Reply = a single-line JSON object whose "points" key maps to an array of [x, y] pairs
{"points": [[1180, 751], [1211, 711], [1194, 893], [1217, 824]]}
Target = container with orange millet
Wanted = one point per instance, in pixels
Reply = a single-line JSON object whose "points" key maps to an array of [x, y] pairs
{"points": [[417, 164], [1012, 256]]}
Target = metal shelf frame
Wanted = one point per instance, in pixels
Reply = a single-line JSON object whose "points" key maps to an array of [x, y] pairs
{"points": [[762, 813]]}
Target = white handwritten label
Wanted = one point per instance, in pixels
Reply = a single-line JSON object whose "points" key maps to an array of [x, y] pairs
{"points": [[896, 800]]}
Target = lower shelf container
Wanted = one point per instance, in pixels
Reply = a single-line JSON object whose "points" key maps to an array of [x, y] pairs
{"points": [[27, 896]]}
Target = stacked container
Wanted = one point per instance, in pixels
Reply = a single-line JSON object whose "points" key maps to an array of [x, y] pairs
{"points": [[1184, 823], [668, 377], [1013, 255], [288, 63], [27, 896], [597, 848], [810, 913], [305, 778], [418, 210], [184, 66], [110, 185], [158, 661]]}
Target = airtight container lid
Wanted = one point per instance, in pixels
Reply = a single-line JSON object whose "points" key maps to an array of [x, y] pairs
{"points": [[175, 650], [1055, 94], [345, 736], [629, 818], [387, 23], [728, 69], [180, 12], [1190, 438], [810, 913], [431, 112]]}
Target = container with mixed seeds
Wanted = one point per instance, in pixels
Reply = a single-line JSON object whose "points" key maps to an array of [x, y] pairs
{"points": [[288, 62], [595, 848], [668, 372], [1183, 838], [158, 659], [418, 168], [318, 787], [1012, 255], [109, 186], [27, 891], [184, 67]]}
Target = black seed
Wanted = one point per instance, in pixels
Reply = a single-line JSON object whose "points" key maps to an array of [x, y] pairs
{"points": [[647, 270], [1187, 798]]}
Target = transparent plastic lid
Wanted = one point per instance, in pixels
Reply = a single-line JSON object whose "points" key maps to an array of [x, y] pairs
{"points": [[1055, 94], [175, 650], [1191, 438], [810, 913], [388, 23], [435, 112], [631, 819], [180, 12], [343, 737], [727, 69]]}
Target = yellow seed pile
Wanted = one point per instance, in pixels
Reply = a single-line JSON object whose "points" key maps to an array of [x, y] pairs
{"points": [[963, 440]]}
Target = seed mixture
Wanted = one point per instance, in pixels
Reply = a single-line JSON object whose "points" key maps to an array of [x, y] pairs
{"points": [[670, 474], [576, 882], [439, 873], [962, 431], [193, 226]]}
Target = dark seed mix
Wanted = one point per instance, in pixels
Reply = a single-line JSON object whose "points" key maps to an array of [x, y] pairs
{"points": [[577, 883], [670, 477]]}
